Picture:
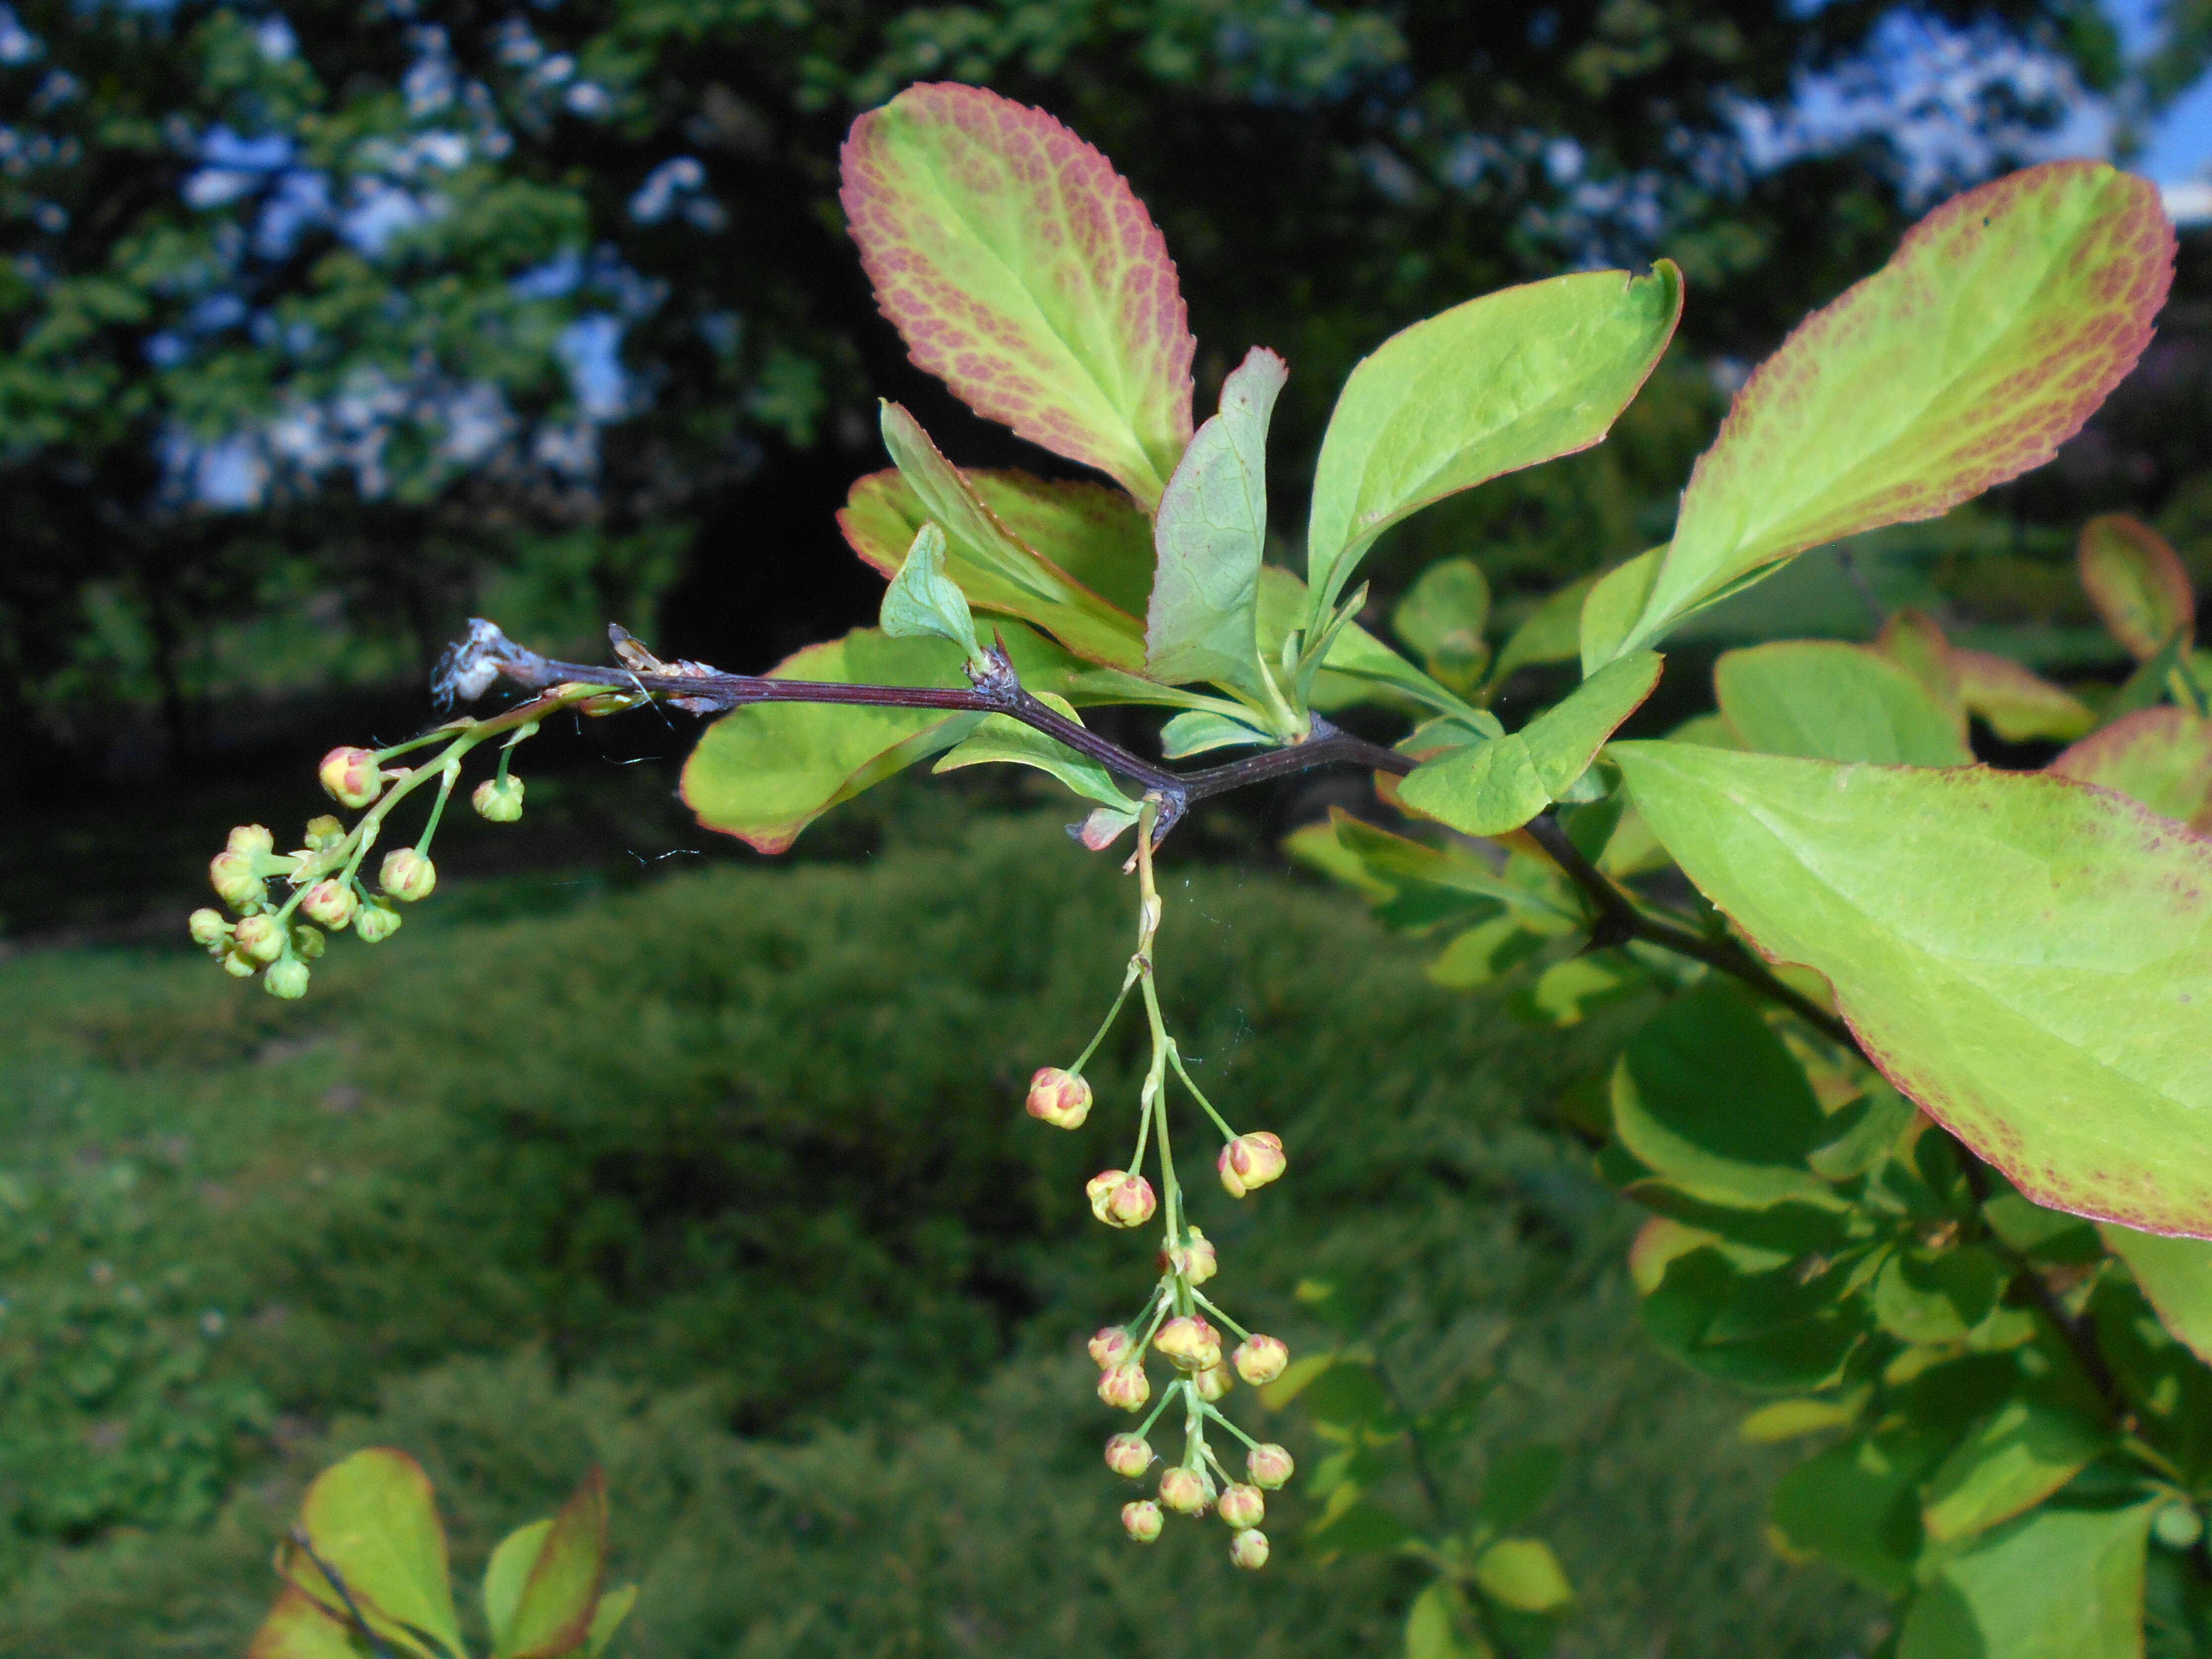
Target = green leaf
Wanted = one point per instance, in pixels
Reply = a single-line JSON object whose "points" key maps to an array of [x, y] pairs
{"points": [[2028, 960], [1553, 633], [2020, 705], [1774, 1331], [1008, 575], [2175, 1276], [606, 1619], [1488, 387], [1359, 668], [2002, 321], [1026, 274], [1856, 1504], [1708, 1096], [1347, 1526], [1567, 993], [2137, 582], [1440, 1624], [1492, 787], [1198, 731], [297, 1627], [2055, 1584], [1344, 1394], [1002, 738], [1211, 530], [1396, 863], [1517, 1484], [1828, 700], [1298, 1376], [506, 1575], [1441, 617], [2159, 756], [1522, 1573], [923, 603], [373, 1520], [551, 1610], [1861, 1135], [2009, 1461], [1793, 1419]]}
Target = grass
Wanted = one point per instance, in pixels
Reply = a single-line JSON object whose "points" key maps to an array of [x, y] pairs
{"points": [[723, 1183]]}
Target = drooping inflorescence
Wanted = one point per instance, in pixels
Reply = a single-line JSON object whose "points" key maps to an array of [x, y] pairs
{"points": [[1177, 1321]]}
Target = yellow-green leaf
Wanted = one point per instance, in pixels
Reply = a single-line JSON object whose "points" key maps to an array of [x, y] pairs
{"points": [[2137, 582], [2008, 1462], [2055, 1584], [297, 1627], [2175, 1275], [2159, 756], [1828, 700], [1523, 1574], [2029, 960], [371, 1520], [1002, 739], [552, 1615], [1441, 617], [2020, 704]]}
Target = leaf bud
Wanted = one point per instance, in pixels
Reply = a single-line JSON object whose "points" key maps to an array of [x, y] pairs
{"points": [[1125, 1385], [236, 882], [1060, 1098], [1250, 1161], [407, 875], [1111, 1346], [260, 937], [309, 943], [1269, 1466], [351, 777], [331, 902], [1260, 1359], [1186, 1491], [1120, 1199], [238, 964], [1128, 1454], [1191, 1343], [1242, 1507], [1142, 1520], [1213, 1383], [288, 980], [1249, 1550], [250, 838], [324, 832], [376, 921], [208, 928], [499, 800]]}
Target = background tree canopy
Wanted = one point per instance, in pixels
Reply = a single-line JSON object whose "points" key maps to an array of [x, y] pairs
{"points": [[325, 325]]}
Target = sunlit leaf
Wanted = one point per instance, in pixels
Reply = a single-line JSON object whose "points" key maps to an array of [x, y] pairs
{"points": [[2009, 1461], [2175, 1276], [2160, 756], [2055, 1584], [2029, 960], [1359, 668], [1211, 530], [1490, 386], [373, 1522], [297, 1627], [1026, 274], [1522, 1573], [1199, 732], [2002, 321], [2137, 582], [1793, 1419], [1828, 700], [923, 603]]}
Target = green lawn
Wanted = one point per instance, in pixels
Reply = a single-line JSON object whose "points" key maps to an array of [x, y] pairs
{"points": [[724, 1183]]}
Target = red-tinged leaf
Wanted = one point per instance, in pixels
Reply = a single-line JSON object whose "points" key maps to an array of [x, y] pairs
{"points": [[298, 1628], [2160, 756], [2020, 705], [373, 1522], [1024, 273], [553, 1615], [2138, 583]]}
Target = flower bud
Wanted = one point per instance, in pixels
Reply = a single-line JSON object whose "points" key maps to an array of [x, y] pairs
{"points": [[350, 777], [1213, 1383], [1190, 1342], [1111, 1346], [407, 875], [288, 980], [1142, 1520], [1269, 1466], [1198, 1260], [236, 882], [376, 921], [260, 938], [1185, 1492], [331, 902], [1260, 1359], [499, 800], [208, 928], [238, 964], [1128, 1454], [250, 838], [324, 831], [1250, 1161], [1249, 1550], [1125, 1385], [309, 943], [1120, 1199], [1060, 1098], [1243, 1506]]}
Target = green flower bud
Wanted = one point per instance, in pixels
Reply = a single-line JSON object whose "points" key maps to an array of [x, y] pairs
{"points": [[1242, 1507], [309, 943], [288, 980], [1060, 1098], [1260, 1359], [1213, 1383], [237, 882], [407, 875], [1191, 1343], [250, 838], [1111, 1346], [260, 938], [2178, 1525], [238, 964], [324, 832], [1269, 1466], [500, 802], [1125, 1385], [1249, 1550], [208, 928], [351, 777], [1250, 1161], [332, 903], [376, 921], [1186, 1491], [1142, 1520], [1128, 1454], [1120, 1199]]}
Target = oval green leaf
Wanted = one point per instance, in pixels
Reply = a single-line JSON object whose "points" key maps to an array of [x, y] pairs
{"points": [[2137, 582], [552, 1614], [1826, 700], [2055, 1584], [371, 1519]]}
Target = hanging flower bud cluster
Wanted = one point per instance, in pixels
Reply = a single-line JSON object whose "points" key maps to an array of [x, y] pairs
{"points": [[1178, 1325], [287, 904]]}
